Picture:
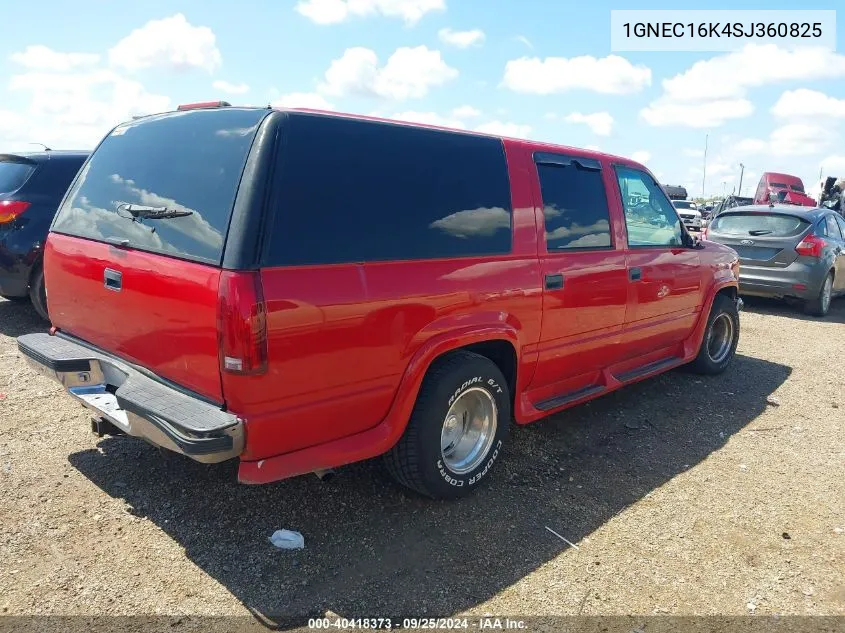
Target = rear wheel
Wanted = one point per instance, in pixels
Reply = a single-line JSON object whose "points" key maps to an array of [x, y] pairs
{"points": [[457, 428], [820, 306], [720, 338], [38, 294]]}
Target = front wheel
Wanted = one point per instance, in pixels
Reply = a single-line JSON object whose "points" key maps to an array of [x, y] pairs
{"points": [[820, 306], [457, 429], [720, 338]]}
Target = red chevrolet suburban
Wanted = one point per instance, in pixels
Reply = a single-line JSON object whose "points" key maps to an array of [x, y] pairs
{"points": [[301, 290]]}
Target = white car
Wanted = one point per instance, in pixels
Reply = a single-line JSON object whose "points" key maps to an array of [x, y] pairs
{"points": [[690, 215]]}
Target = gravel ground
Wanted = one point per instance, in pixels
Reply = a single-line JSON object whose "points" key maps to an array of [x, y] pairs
{"points": [[683, 495]]}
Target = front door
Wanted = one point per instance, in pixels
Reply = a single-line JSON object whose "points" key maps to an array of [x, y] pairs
{"points": [[584, 274], [664, 273]]}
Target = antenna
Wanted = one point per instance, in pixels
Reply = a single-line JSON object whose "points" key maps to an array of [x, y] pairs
{"points": [[704, 174], [46, 149]]}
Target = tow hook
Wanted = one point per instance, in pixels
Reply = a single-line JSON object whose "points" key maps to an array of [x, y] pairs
{"points": [[101, 427]]}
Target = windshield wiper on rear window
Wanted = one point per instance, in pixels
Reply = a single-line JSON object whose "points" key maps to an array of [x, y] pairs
{"points": [[138, 211], [759, 232]]}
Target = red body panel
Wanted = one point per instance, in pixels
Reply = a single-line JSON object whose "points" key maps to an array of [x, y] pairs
{"points": [[773, 183], [164, 318]]}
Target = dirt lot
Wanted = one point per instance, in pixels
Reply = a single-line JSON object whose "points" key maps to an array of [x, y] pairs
{"points": [[684, 496]]}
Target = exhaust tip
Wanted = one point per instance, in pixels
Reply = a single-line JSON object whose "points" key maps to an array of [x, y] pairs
{"points": [[324, 474]]}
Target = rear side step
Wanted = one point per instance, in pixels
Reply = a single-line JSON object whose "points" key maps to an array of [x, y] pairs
{"points": [[572, 396], [649, 368]]}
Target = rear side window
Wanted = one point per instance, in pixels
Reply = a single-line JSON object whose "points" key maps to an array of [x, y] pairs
{"points": [[833, 227], [184, 167], [13, 174], [359, 191], [761, 224], [574, 206]]}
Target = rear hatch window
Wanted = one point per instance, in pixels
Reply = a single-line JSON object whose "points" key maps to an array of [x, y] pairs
{"points": [[164, 184], [13, 174], [759, 224]]}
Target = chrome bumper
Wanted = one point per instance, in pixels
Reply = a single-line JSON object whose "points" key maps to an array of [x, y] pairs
{"points": [[135, 403]]}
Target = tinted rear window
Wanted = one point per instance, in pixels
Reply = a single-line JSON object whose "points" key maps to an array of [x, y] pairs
{"points": [[13, 175], [188, 162], [761, 224], [358, 191]]}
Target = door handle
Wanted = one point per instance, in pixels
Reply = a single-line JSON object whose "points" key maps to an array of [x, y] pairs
{"points": [[635, 274], [554, 282], [113, 279]]}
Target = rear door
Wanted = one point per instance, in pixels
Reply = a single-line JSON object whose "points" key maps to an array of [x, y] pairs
{"points": [[583, 266], [762, 239], [133, 262]]}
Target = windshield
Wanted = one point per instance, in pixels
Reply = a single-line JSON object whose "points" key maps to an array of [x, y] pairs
{"points": [[798, 188], [165, 184], [13, 174], [770, 224], [682, 204]]}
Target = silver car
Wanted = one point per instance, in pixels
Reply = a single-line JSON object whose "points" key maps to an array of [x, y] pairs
{"points": [[786, 252]]}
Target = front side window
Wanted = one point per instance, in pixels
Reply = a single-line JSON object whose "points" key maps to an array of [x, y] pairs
{"points": [[649, 216], [574, 205]]}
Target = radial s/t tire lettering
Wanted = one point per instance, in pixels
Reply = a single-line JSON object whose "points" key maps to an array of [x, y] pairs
{"points": [[720, 338], [446, 450]]}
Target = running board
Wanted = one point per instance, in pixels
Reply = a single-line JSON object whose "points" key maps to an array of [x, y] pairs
{"points": [[572, 396], [650, 368]]}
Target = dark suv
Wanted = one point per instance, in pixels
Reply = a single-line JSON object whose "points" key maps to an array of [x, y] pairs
{"points": [[31, 188], [303, 290]]}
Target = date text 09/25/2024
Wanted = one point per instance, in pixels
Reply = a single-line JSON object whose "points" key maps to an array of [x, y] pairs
{"points": [[479, 623]]}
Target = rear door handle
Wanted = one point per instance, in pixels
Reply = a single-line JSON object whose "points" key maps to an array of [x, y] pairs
{"points": [[635, 274], [113, 279], [554, 282]]}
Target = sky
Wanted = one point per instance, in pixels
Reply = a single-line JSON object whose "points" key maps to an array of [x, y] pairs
{"points": [[544, 70]]}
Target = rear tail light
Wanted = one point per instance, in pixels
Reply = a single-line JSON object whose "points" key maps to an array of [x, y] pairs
{"points": [[11, 209], [242, 323], [811, 246]]}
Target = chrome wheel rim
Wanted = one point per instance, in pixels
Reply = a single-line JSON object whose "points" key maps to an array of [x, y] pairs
{"points": [[468, 430], [827, 290], [720, 338]]}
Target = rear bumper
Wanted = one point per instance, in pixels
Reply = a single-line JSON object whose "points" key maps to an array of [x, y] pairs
{"points": [[135, 403], [774, 282]]}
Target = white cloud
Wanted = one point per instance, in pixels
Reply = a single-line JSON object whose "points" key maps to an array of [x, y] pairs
{"points": [[524, 40], [607, 75], [408, 74], [703, 114], [714, 90], [641, 156], [40, 57], [808, 104], [429, 118], [75, 110], [466, 112], [693, 153], [336, 11], [834, 165], [172, 42], [600, 123], [499, 128], [461, 39], [230, 88], [310, 100], [794, 139]]}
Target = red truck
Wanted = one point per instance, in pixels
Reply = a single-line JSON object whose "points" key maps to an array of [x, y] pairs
{"points": [[782, 189], [302, 290]]}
